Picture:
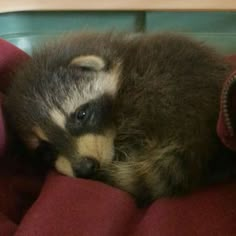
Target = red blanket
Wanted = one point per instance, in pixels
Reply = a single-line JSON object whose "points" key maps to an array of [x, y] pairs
{"points": [[58, 205]]}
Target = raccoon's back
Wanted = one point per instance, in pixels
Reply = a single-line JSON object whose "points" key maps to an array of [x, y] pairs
{"points": [[171, 88]]}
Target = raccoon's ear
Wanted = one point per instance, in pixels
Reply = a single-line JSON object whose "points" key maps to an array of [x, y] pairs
{"points": [[89, 62]]}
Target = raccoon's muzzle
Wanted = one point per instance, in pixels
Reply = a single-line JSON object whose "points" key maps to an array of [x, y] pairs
{"points": [[86, 168]]}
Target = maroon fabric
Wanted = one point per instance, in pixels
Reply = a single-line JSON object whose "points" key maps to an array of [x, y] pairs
{"points": [[226, 136], [58, 205], [10, 57]]}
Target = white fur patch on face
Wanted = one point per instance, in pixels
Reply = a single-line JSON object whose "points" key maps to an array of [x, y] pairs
{"points": [[63, 166], [100, 147], [106, 83], [58, 118], [40, 133], [91, 61], [102, 83]]}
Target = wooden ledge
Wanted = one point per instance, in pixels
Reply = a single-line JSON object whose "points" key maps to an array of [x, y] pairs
{"points": [[117, 5]]}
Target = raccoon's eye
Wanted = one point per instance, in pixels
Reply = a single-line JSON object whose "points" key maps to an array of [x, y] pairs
{"points": [[81, 114]]}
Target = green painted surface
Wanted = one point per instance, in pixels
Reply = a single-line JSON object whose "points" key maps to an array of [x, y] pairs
{"points": [[26, 29], [215, 28]]}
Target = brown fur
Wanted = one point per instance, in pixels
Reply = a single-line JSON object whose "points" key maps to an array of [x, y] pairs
{"points": [[164, 107]]}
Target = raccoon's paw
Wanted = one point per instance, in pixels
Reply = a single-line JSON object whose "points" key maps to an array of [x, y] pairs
{"points": [[118, 175]]}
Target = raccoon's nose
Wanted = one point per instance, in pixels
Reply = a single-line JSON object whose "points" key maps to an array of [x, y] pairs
{"points": [[86, 167]]}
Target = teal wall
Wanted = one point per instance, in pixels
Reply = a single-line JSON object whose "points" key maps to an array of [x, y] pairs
{"points": [[26, 29], [215, 28]]}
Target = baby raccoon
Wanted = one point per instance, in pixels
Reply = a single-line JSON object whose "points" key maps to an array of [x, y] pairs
{"points": [[137, 112]]}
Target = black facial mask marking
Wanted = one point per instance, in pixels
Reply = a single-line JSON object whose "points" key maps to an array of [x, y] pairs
{"points": [[92, 117], [46, 153]]}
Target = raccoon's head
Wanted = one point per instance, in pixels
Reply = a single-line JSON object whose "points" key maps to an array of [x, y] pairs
{"points": [[70, 109]]}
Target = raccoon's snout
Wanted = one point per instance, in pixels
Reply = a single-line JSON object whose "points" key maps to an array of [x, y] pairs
{"points": [[86, 167]]}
